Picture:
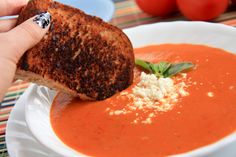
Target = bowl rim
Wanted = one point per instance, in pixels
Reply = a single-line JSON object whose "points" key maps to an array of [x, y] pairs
{"points": [[35, 133], [229, 139], [229, 30]]}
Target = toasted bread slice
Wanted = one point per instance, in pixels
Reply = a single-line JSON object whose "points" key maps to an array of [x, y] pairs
{"points": [[80, 55]]}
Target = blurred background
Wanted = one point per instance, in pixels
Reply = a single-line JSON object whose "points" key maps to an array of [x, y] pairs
{"points": [[130, 13]]}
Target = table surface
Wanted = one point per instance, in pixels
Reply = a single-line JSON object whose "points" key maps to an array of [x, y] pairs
{"points": [[127, 15]]}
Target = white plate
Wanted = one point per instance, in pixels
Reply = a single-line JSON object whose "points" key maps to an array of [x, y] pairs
{"points": [[20, 142], [38, 100]]}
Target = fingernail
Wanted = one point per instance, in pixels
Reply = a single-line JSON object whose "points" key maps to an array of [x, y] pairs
{"points": [[43, 19]]}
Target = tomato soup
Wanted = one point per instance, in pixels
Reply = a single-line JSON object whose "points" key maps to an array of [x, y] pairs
{"points": [[203, 117]]}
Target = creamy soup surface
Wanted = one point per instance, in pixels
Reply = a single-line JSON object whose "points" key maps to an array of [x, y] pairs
{"points": [[114, 128]]}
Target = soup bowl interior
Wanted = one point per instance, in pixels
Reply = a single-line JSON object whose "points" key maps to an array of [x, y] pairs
{"points": [[39, 99]]}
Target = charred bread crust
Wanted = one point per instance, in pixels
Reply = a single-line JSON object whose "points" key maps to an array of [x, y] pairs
{"points": [[81, 53]]}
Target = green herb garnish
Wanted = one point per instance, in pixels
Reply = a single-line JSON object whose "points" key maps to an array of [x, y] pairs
{"points": [[164, 69]]}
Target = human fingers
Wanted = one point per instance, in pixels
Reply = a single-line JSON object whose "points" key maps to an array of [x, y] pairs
{"points": [[7, 24], [11, 7], [23, 37]]}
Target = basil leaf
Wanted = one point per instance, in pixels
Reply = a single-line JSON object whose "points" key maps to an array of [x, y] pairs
{"points": [[164, 69], [144, 64], [178, 67], [163, 66], [155, 68]]}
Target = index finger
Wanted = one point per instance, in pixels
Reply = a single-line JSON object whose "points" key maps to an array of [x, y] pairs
{"points": [[11, 7]]}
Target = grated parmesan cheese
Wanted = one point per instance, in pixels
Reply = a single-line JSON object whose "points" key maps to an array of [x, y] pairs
{"points": [[210, 94], [153, 95], [159, 94]]}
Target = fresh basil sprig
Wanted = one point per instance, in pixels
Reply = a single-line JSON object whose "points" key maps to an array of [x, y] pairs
{"points": [[164, 69]]}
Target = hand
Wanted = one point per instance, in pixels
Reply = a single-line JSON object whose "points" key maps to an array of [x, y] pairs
{"points": [[14, 41]]}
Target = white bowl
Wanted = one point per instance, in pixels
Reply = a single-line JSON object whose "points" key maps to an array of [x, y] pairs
{"points": [[39, 99]]}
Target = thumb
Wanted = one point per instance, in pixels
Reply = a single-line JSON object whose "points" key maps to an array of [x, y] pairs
{"points": [[25, 36]]}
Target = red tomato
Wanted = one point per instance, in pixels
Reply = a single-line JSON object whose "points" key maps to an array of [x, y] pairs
{"points": [[157, 7], [234, 2], [202, 9]]}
